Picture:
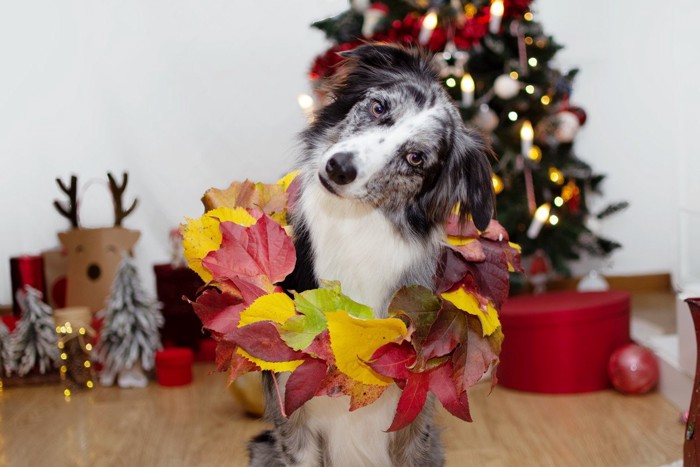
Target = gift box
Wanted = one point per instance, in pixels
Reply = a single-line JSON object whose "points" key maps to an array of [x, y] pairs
{"points": [[561, 342], [182, 327], [26, 270], [55, 268], [174, 366]]}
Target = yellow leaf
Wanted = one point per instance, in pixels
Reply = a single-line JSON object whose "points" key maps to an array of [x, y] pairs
{"points": [[511, 266], [201, 236], [468, 302], [287, 180], [277, 367], [277, 307], [354, 341], [459, 241]]}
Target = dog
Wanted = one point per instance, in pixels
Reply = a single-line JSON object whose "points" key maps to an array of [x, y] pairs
{"points": [[383, 165]]}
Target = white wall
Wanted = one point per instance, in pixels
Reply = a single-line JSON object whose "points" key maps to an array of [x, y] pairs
{"points": [[188, 95]]}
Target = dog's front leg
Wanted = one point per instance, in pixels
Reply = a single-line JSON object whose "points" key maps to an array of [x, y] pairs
{"points": [[291, 443]]}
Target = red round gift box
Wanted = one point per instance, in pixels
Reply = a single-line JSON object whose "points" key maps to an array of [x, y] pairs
{"points": [[174, 366], [561, 342]]}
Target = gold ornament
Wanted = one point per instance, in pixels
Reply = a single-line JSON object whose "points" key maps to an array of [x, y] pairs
{"points": [[497, 183], [556, 176]]}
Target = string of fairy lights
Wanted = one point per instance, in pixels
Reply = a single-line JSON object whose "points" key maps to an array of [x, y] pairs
{"points": [[76, 368]]}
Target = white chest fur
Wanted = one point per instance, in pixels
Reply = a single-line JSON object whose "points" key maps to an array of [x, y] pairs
{"points": [[356, 245]]}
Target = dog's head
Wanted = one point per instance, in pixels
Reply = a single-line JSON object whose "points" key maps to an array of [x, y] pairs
{"points": [[391, 137]]}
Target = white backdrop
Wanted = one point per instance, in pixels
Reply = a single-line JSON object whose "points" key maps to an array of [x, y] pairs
{"points": [[188, 95]]}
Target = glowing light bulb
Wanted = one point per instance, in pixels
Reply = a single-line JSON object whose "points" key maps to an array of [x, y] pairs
{"points": [[545, 100], [86, 364], [467, 86], [529, 16], [88, 346], [532, 61], [496, 11], [497, 183], [556, 176], [514, 74], [535, 154], [553, 219], [450, 82], [89, 384], [305, 101], [513, 116], [429, 24], [530, 89], [559, 201], [541, 216]]}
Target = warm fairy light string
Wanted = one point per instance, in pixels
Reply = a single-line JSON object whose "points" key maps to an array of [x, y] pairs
{"points": [[65, 333]]}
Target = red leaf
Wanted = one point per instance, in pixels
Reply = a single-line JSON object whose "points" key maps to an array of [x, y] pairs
{"points": [[451, 270], [411, 401], [219, 311], [394, 360], [448, 331], [492, 275], [338, 384], [421, 306], [442, 385], [471, 360], [224, 352], [263, 341], [320, 347], [261, 254], [303, 384], [239, 365], [460, 229]]}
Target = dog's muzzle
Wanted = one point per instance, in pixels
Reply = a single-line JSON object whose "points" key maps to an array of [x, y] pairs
{"points": [[341, 169]]}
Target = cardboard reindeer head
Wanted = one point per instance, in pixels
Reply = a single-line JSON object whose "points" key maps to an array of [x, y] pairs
{"points": [[94, 254]]}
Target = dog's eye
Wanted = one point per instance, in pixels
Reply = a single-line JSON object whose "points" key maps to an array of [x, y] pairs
{"points": [[415, 159], [376, 108]]}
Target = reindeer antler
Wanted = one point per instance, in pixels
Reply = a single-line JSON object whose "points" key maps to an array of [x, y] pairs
{"points": [[117, 192], [69, 210]]}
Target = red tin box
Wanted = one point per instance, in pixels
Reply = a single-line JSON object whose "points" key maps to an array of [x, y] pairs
{"points": [[174, 366], [561, 342]]}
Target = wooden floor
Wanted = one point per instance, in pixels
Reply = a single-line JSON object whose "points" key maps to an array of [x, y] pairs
{"points": [[202, 425]]}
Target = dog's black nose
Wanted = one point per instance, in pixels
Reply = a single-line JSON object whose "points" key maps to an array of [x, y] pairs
{"points": [[340, 168]]}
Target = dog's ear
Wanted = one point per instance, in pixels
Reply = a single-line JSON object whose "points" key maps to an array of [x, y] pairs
{"points": [[466, 180]]}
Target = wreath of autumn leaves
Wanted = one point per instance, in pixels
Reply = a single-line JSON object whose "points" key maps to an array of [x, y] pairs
{"points": [[440, 342]]}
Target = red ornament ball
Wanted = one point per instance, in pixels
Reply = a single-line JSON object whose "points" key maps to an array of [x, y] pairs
{"points": [[633, 369]]}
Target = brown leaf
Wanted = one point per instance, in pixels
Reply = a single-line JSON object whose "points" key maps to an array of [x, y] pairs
{"points": [[271, 199]]}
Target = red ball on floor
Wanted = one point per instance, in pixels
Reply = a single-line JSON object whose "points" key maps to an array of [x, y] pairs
{"points": [[633, 369]]}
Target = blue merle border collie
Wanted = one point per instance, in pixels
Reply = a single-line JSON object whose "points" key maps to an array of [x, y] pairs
{"points": [[383, 165]]}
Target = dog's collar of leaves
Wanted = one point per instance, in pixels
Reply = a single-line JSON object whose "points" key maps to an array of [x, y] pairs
{"points": [[440, 342]]}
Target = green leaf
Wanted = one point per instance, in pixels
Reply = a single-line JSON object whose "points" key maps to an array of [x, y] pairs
{"points": [[299, 331], [315, 302]]}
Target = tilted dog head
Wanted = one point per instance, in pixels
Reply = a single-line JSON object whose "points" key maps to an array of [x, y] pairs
{"points": [[391, 138]]}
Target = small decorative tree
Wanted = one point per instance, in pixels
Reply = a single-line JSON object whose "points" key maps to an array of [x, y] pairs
{"points": [[34, 342], [5, 350], [129, 337]]}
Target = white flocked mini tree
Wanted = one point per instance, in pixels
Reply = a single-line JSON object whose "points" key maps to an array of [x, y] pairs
{"points": [[129, 337], [34, 343], [5, 350]]}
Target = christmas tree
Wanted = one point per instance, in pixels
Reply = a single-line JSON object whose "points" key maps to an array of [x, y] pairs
{"points": [[129, 337], [5, 350], [496, 62], [34, 342]]}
